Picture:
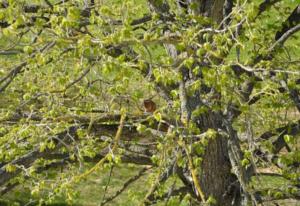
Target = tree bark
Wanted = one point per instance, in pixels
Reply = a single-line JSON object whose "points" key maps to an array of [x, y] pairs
{"points": [[216, 177]]}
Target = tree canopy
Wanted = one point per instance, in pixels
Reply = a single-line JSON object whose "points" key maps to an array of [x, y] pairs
{"points": [[220, 81]]}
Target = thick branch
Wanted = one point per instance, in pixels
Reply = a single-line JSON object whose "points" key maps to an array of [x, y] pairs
{"points": [[292, 21], [265, 5]]}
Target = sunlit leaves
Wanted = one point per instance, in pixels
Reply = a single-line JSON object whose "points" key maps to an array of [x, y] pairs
{"points": [[10, 168], [166, 77], [101, 63], [211, 200]]}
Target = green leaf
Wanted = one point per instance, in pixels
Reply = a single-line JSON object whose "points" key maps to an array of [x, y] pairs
{"points": [[10, 168], [211, 200], [245, 162], [287, 138], [141, 128], [28, 49], [157, 116]]}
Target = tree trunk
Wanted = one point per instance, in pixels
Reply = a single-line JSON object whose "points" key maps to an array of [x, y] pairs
{"points": [[216, 178]]}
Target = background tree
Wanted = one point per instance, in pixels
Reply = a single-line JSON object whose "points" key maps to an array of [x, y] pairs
{"points": [[224, 76]]}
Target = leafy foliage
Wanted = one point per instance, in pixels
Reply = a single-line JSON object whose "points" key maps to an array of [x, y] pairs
{"points": [[70, 70]]}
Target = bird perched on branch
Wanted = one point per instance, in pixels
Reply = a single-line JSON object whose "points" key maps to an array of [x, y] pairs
{"points": [[149, 106]]}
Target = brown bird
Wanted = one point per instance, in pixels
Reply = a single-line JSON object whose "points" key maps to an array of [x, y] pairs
{"points": [[149, 106]]}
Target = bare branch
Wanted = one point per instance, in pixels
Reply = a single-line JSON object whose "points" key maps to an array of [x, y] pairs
{"points": [[126, 184], [284, 37], [265, 5], [49, 4], [292, 21], [162, 177], [85, 72]]}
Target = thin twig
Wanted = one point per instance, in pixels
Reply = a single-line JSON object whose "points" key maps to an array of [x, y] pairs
{"points": [[108, 182], [125, 185], [79, 78], [115, 147], [194, 174]]}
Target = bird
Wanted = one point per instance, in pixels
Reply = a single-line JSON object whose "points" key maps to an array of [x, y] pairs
{"points": [[149, 106]]}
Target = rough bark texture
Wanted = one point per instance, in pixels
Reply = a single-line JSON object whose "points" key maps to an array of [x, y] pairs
{"points": [[216, 177]]}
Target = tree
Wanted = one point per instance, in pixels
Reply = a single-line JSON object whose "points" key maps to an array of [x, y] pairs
{"points": [[75, 73]]}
